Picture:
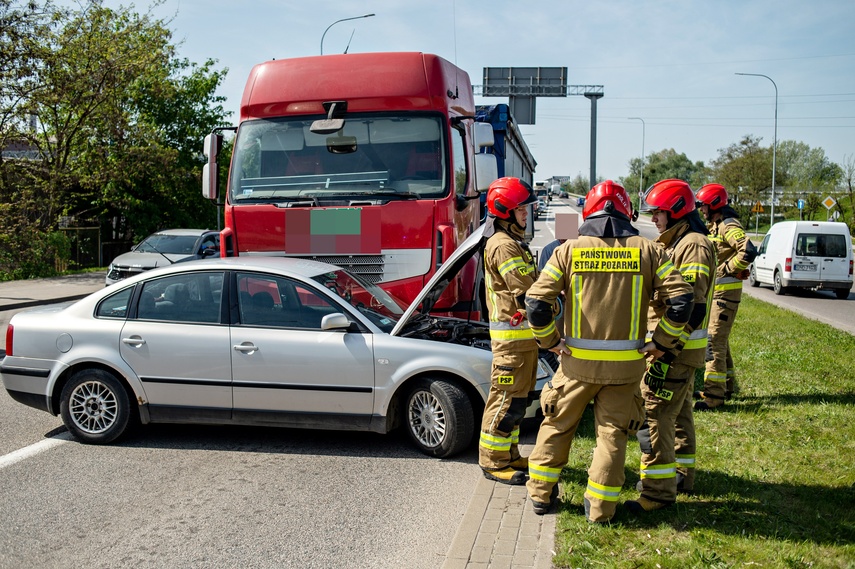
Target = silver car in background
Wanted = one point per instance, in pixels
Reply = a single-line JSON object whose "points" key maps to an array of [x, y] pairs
{"points": [[256, 341], [163, 248]]}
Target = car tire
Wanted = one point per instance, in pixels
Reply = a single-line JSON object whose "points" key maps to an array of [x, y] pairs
{"points": [[438, 417], [95, 407], [752, 277], [841, 293], [780, 289]]}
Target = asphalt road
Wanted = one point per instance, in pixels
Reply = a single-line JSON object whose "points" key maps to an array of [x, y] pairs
{"points": [[210, 496]]}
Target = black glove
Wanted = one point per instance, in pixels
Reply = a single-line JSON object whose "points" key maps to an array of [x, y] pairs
{"points": [[654, 377]]}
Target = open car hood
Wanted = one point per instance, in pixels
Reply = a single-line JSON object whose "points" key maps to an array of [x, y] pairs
{"points": [[427, 298]]}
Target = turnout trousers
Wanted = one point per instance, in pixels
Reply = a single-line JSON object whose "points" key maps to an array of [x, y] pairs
{"points": [[719, 361], [512, 382], [617, 413], [663, 454]]}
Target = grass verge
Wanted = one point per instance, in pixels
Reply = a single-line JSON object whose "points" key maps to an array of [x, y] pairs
{"points": [[775, 482]]}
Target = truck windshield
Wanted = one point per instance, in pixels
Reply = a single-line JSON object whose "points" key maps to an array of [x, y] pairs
{"points": [[281, 160]]}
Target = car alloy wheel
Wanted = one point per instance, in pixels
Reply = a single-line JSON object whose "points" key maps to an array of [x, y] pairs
{"points": [[439, 417], [95, 407]]}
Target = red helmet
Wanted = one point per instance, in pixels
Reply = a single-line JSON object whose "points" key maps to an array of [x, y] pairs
{"points": [[598, 200], [506, 194], [713, 195], [673, 196]]}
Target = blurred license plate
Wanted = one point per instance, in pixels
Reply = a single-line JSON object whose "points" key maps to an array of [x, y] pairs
{"points": [[804, 268]]}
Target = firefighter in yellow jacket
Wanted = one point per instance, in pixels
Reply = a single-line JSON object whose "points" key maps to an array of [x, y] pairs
{"points": [[667, 437], [608, 275], [509, 271], [735, 252]]}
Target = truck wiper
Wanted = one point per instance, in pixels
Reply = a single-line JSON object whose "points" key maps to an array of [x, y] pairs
{"points": [[391, 192]]}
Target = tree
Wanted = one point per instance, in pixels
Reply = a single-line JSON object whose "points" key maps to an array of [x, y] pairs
{"points": [[120, 123], [847, 179], [662, 165], [745, 169]]}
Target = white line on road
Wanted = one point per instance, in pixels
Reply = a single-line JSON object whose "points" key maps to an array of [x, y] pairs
{"points": [[33, 450]]}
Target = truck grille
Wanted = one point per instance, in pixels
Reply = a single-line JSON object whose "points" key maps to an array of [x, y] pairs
{"points": [[369, 267]]}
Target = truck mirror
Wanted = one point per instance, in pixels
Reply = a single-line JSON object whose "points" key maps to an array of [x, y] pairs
{"points": [[327, 126], [486, 171], [483, 133], [210, 171]]}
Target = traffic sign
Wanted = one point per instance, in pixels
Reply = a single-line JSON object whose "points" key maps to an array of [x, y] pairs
{"points": [[801, 204], [829, 202], [758, 208]]}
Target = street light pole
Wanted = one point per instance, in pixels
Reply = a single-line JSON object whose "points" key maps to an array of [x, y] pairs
{"points": [[774, 143], [641, 174], [336, 22]]}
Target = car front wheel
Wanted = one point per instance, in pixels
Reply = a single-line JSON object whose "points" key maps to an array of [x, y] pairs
{"points": [[752, 277], [439, 418], [95, 407]]}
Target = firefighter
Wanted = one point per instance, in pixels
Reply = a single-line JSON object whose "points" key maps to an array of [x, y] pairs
{"points": [[734, 252], [667, 437], [608, 274], [509, 271]]}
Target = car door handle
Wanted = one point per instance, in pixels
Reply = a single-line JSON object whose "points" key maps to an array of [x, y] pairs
{"points": [[246, 347], [133, 341]]}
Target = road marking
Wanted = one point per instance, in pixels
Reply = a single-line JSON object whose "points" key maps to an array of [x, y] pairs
{"points": [[33, 450]]}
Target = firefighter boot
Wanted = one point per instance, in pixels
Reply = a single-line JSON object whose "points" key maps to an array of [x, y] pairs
{"points": [[520, 464], [684, 483], [540, 508], [707, 402], [506, 476], [730, 388], [588, 514], [644, 505]]}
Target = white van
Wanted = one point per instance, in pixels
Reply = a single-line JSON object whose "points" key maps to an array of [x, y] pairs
{"points": [[805, 254]]}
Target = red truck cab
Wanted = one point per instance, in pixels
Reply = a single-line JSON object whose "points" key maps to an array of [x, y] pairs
{"points": [[367, 161]]}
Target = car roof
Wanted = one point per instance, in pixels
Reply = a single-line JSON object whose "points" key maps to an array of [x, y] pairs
{"points": [[194, 232], [305, 268]]}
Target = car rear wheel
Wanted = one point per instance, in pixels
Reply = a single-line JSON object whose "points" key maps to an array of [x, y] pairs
{"points": [[842, 293], [439, 418], [779, 284], [95, 407], [752, 277]]}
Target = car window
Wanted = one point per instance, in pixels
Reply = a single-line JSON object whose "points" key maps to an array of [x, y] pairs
{"points": [[187, 297], [833, 246], [764, 245], [266, 300], [807, 244], [115, 305]]}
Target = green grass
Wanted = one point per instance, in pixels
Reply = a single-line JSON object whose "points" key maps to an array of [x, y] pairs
{"points": [[775, 482]]}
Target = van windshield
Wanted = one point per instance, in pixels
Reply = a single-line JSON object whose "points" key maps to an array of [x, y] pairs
{"points": [[821, 245], [393, 156]]}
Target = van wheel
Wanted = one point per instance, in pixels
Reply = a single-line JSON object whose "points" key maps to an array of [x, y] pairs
{"points": [[842, 293], [752, 277], [438, 417], [779, 284]]}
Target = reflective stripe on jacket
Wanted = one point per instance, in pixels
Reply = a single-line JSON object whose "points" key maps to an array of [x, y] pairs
{"points": [[730, 242], [509, 271], [693, 254], [608, 283]]}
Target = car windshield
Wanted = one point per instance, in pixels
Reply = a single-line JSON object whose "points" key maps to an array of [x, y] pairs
{"points": [[173, 244], [370, 300], [392, 156]]}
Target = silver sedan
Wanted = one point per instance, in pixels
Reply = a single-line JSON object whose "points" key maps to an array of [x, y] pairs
{"points": [[253, 341]]}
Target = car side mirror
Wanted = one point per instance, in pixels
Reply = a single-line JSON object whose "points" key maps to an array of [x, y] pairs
{"points": [[335, 321]]}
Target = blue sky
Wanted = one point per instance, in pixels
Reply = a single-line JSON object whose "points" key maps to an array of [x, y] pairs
{"points": [[671, 63]]}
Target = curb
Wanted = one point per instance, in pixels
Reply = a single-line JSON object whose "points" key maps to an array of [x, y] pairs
{"points": [[500, 530]]}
